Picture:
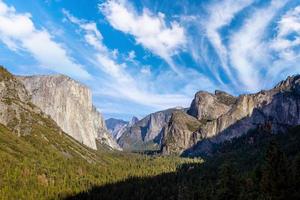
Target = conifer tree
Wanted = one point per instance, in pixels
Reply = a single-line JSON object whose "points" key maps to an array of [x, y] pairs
{"points": [[227, 184], [274, 182]]}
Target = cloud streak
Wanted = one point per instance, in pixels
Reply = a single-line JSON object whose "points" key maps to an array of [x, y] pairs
{"points": [[148, 29], [122, 84], [18, 33]]}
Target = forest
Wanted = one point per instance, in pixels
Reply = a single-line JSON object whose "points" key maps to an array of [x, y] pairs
{"points": [[258, 165]]}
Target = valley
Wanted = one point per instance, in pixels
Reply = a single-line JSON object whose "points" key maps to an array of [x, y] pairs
{"points": [[253, 154]]}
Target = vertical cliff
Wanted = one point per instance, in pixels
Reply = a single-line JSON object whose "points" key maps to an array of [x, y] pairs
{"points": [[146, 133], [16, 111], [69, 104], [223, 117]]}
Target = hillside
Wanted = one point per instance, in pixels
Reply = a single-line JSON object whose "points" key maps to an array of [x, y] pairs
{"points": [[222, 117], [69, 103], [257, 165], [146, 134], [39, 161]]}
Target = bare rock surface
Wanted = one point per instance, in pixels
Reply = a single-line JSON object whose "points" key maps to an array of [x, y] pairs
{"points": [[223, 117], [69, 104], [147, 132]]}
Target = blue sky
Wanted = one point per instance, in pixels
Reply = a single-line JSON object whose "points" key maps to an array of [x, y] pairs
{"points": [[143, 56]]}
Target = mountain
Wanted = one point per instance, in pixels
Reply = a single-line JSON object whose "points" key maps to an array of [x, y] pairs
{"points": [[146, 133], [69, 104], [116, 127], [38, 160], [134, 120], [257, 165], [222, 117]]}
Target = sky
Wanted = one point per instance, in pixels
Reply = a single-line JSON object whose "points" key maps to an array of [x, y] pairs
{"points": [[144, 56]]}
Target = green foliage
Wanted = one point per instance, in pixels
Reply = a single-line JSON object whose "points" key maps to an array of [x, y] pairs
{"points": [[49, 165], [227, 186], [274, 181], [237, 170]]}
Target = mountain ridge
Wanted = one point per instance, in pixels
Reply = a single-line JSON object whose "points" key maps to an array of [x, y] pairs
{"points": [[69, 103], [277, 109]]}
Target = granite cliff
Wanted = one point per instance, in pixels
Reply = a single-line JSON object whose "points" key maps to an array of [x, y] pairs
{"points": [[146, 134], [17, 111], [69, 104], [116, 127], [222, 117]]}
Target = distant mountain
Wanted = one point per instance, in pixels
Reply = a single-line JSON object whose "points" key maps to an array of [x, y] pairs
{"points": [[38, 160], [116, 127], [134, 120], [146, 133], [69, 103], [215, 118]]}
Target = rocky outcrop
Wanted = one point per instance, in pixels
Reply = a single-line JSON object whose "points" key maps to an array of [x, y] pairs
{"points": [[116, 127], [17, 112], [146, 133], [134, 120], [273, 110], [207, 106], [69, 104], [180, 133]]}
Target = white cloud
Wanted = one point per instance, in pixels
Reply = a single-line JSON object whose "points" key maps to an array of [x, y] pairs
{"points": [[121, 84], [146, 70], [288, 24], [18, 32], [131, 55], [92, 34], [247, 49], [286, 45], [148, 29], [221, 14]]}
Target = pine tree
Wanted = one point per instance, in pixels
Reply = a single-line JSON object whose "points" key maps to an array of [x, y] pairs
{"points": [[228, 183], [296, 177], [274, 182]]}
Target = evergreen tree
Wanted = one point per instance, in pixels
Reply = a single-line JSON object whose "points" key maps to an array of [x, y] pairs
{"points": [[296, 177], [274, 182], [227, 188]]}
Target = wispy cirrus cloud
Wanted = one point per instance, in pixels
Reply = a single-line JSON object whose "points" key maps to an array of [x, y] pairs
{"points": [[248, 48], [18, 33], [253, 45], [237, 46], [150, 30], [122, 85], [222, 14]]}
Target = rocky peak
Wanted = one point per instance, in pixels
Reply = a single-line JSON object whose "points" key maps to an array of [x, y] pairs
{"points": [[224, 117], [146, 131], [292, 83], [69, 104], [207, 106], [11, 87], [134, 119], [16, 111], [180, 133], [116, 127]]}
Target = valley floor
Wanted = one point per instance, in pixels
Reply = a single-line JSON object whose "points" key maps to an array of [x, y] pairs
{"points": [[39, 167], [47, 165]]}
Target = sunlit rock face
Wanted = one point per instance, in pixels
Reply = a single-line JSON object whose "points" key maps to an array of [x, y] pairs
{"points": [[116, 127], [16, 110], [69, 104], [147, 132], [223, 117]]}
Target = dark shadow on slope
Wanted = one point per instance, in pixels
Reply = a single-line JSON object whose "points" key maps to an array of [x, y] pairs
{"points": [[165, 186], [245, 157], [261, 119]]}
